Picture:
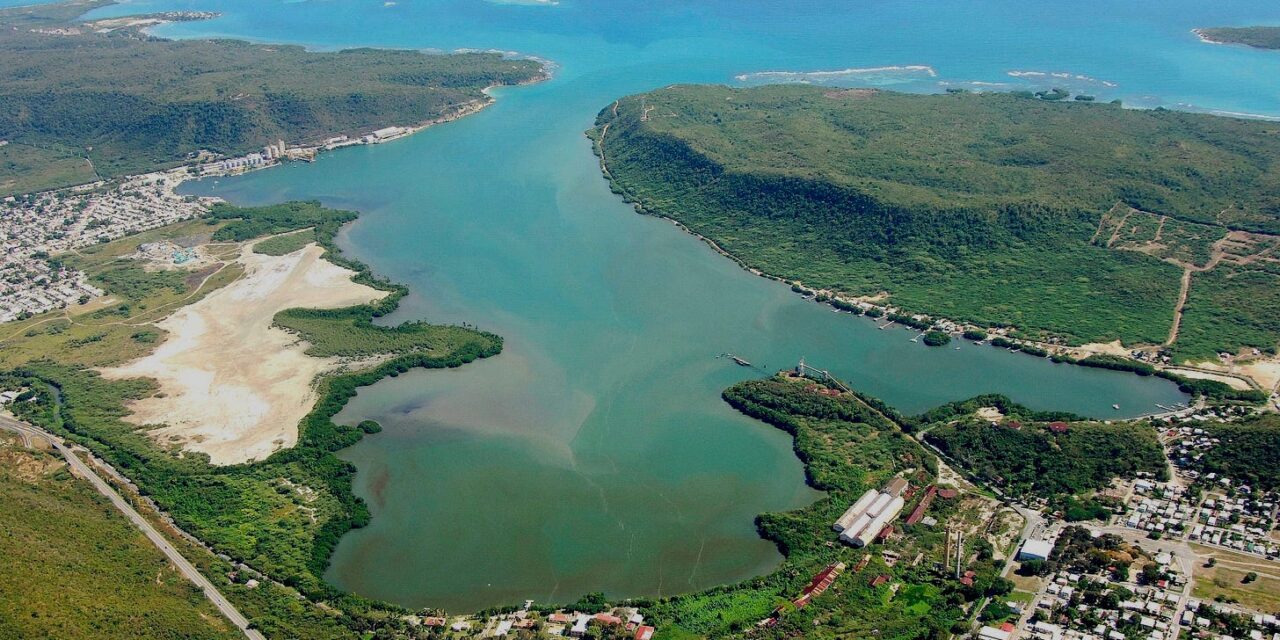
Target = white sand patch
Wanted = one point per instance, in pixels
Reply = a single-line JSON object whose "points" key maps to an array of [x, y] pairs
{"points": [[1105, 348], [990, 414], [1264, 371], [233, 386], [1231, 381]]}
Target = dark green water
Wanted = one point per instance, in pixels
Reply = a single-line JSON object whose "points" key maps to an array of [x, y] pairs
{"points": [[595, 453]]}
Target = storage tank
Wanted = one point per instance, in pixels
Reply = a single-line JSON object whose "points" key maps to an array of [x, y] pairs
{"points": [[855, 510], [869, 532]]}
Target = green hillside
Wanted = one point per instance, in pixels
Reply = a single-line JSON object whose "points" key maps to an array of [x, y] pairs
{"points": [[1059, 217], [1259, 37], [75, 568], [131, 103], [1029, 459]]}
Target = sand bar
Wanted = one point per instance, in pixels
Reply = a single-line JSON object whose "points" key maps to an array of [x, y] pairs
{"points": [[231, 385]]}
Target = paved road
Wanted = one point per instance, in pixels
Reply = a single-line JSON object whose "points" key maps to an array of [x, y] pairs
{"points": [[26, 431]]}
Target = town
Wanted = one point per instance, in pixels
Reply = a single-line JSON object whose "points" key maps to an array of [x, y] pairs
{"points": [[35, 229]]}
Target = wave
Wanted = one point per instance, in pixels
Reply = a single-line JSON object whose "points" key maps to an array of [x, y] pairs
{"points": [[1061, 75], [881, 75], [1230, 114], [527, 3]]}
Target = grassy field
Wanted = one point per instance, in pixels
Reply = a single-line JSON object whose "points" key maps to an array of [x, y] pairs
{"points": [[285, 243], [135, 103], [81, 569], [283, 515], [24, 168], [1226, 579], [1228, 308], [1060, 218], [118, 329]]}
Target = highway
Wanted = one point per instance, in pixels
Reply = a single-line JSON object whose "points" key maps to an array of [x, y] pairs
{"points": [[26, 432]]}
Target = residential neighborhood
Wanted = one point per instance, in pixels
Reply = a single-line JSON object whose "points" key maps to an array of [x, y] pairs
{"points": [[35, 229]]}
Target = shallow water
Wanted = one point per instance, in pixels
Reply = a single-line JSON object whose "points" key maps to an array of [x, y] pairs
{"points": [[595, 453]]}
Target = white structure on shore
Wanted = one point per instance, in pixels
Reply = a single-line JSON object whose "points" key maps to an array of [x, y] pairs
{"points": [[867, 517]]}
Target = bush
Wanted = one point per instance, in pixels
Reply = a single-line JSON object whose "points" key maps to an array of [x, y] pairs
{"points": [[936, 338]]}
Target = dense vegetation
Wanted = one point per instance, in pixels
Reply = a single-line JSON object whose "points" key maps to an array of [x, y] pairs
{"points": [[848, 445], [1249, 451], [987, 208], [1260, 37], [1023, 456], [132, 103], [74, 568], [285, 243], [283, 515]]}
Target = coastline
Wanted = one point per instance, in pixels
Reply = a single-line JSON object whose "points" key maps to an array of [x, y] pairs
{"points": [[840, 303], [1199, 31]]}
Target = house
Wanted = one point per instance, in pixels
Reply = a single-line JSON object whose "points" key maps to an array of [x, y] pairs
{"points": [[645, 632]]}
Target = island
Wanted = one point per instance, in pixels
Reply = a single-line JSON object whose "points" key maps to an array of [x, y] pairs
{"points": [[1256, 37], [98, 100], [1081, 226]]}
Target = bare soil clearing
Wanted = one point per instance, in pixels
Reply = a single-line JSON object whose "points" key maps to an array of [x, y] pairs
{"points": [[232, 385]]}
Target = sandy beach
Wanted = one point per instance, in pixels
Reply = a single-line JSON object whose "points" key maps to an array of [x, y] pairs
{"points": [[231, 385]]}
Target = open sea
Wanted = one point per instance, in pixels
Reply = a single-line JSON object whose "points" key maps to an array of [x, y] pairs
{"points": [[595, 453]]}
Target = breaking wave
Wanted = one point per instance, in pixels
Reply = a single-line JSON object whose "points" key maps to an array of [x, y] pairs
{"points": [[1060, 75], [864, 75]]}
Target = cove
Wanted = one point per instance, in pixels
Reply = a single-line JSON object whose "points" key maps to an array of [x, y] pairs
{"points": [[594, 453]]}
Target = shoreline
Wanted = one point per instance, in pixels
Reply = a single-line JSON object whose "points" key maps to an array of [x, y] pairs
{"points": [[1199, 31], [864, 303]]}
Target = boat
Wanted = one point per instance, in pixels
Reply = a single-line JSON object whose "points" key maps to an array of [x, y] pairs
{"points": [[740, 361], [1116, 407]]}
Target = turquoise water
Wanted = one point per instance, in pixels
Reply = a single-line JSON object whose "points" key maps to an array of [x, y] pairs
{"points": [[595, 453]]}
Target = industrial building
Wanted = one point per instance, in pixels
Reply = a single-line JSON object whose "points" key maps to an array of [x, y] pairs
{"points": [[1034, 549], [864, 519]]}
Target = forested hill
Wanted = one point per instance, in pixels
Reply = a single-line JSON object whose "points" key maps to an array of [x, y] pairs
{"points": [[1258, 37], [1053, 214], [134, 103]]}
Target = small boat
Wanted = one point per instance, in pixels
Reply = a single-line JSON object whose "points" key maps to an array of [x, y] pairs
{"points": [[957, 348], [1116, 407]]}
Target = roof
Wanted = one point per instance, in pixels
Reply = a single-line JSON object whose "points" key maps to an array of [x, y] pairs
{"points": [[1034, 547]]}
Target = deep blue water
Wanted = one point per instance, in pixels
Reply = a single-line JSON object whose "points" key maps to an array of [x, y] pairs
{"points": [[595, 453]]}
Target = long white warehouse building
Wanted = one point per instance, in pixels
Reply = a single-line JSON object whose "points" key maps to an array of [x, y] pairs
{"points": [[851, 514], [868, 533]]}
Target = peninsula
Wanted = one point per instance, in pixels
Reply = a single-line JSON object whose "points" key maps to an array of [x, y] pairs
{"points": [[1060, 221], [99, 100], [1256, 37]]}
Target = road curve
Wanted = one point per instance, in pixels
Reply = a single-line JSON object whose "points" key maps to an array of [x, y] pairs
{"points": [[186, 568]]}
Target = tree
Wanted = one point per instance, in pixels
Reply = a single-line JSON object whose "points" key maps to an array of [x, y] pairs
{"points": [[1250, 577], [936, 338]]}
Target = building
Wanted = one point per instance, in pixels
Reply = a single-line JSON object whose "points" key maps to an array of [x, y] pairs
{"points": [[857, 509], [1034, 549], [868, 533], [992, 633]]}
